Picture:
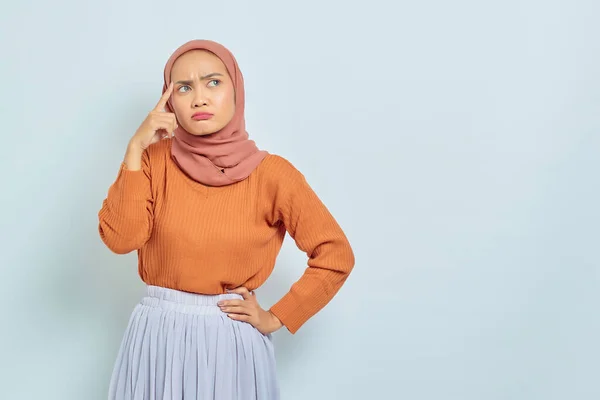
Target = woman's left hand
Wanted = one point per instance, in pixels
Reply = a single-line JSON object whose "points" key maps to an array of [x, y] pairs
{"points": [[248, 310]]}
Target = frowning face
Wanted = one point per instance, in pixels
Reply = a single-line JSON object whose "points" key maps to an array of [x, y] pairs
{"points": [[203, 98]]}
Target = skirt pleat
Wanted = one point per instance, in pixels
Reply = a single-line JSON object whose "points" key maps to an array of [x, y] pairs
{"points": [[180, 345]]}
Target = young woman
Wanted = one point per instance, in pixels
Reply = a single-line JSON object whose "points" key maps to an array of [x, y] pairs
{"points": [[207, 212]]}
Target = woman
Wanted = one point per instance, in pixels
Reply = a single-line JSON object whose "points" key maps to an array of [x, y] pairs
{"points": [[207, 212]]}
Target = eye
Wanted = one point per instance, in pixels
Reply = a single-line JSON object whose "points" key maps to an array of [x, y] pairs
{"points": [[183, 87], [215, 81]]}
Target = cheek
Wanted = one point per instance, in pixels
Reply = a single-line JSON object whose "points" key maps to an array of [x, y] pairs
{"points": [[226, 103], [177, 106], [179, 109]]}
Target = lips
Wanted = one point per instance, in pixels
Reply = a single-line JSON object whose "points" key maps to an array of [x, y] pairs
{"points": [[202, 116]]}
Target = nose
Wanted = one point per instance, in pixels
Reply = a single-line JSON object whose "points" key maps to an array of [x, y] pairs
{"points": [[199, 99]]}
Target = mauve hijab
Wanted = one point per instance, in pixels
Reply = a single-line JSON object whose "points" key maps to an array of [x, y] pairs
{"points": [[226, 156]]}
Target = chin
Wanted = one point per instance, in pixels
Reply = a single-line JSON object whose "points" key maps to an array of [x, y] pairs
{"points": [[194, 130], [202, 133]]}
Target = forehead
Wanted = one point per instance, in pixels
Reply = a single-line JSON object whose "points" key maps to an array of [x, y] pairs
{"points": [[197, 62]]}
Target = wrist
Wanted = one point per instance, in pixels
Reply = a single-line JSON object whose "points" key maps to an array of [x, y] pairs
{"points": [[133, 157], [134, 148], [277, 324]]}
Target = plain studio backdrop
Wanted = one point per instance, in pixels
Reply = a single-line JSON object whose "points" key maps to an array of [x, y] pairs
{"points": [[456, 143]]}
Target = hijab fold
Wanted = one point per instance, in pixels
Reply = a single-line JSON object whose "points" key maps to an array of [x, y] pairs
{"points": [[226, 156]]}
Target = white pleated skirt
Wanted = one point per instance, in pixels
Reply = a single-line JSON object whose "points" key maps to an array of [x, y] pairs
{"points": [[180, 345]]}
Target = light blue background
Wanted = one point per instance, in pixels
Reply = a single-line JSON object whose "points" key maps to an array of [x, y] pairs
{"points": [[455, 142]]}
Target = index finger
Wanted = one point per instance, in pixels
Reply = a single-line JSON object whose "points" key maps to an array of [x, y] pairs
{"points": [[246, 294], [164, 98]]}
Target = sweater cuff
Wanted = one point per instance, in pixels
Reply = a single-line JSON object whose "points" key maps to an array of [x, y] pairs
{"points": [[131, 184], [290, 312]]}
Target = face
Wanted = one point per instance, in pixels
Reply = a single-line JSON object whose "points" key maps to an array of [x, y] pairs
{"points": [[203, 96]]}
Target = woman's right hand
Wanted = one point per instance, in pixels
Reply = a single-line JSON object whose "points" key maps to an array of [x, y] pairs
{"points": [[158, 125]]}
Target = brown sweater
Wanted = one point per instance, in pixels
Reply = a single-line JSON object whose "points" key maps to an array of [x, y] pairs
{"points": [[202, 239]]}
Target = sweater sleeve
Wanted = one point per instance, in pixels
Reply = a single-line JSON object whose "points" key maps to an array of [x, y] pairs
{"points": [[126, 216], [316, 232]]}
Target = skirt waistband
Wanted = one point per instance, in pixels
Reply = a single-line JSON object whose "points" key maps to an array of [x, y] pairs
{"points": [[185, 302]]}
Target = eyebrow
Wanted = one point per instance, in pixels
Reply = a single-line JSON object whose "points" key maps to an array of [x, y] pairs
{"points": [[201, 78]]}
